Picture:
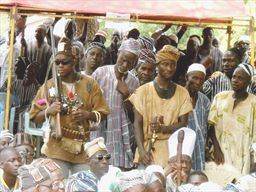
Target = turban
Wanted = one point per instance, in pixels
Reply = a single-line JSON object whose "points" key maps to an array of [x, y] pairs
{"points": [[94, 146], [146, 42], [247, 68], [131, 178], [6, 134], [168, 52], [131, 45], [196, 67], [146, 56], [82, 181], [96, 45]]}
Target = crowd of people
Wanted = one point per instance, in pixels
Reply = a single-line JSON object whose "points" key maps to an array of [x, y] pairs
{"points": [[140, 115]]}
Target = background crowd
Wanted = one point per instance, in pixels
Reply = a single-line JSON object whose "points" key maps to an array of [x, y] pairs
{"points": [[138, 115]]}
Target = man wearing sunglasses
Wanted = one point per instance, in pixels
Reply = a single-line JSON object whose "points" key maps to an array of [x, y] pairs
{"points": [[82, 106], [99, 165]]}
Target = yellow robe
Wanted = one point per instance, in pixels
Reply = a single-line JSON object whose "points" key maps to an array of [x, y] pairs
{"points": [[147, 102], [235, 128]]}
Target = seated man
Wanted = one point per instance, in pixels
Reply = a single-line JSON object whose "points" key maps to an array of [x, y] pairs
{"points": [[174, 175], [10, 161], [99, 165]]}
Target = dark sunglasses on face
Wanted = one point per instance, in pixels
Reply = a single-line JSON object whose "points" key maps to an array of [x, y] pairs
{"points": [[63, 62], [106, 157]]}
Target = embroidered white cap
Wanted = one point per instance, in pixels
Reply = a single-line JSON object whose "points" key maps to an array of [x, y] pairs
{"points": [[188, 142], [196, 67]]}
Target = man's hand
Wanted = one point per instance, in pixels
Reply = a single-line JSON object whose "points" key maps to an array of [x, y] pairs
{"points": [[207, 62], [54, 108], [145, 158], [123, 89], [218, 155], [157, 124], [80, 115]]}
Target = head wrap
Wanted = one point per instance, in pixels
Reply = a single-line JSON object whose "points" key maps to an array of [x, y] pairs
{"points": [[174, 38], [146, 42], [96, 45], [168, 52], [188, 142], [155, 169], [82, 181], [130, 179], [131, 45], [23, 139], [6, 134], [247, 68], [146, 56], [196, 67], [94, 146]]}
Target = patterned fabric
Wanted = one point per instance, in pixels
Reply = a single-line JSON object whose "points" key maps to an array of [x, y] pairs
{"points": [[146, 43], [130, 45], [199, 125], [147, 102], [82, 181], [247, 68], [96, 45], [117, 129], [221, 83], [42, 55], [146, 56], [235, 140], [168, 52]]}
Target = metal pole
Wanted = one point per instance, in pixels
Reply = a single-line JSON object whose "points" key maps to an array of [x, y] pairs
{"points": [[252, 40], [229, 31], [7, 103]]}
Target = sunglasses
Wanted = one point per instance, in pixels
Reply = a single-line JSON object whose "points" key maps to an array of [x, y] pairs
{"points": [[63, 62], [106, 157]]}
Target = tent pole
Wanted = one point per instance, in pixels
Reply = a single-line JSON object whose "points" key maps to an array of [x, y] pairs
{"points": [[252, 23], [7, 103], [229, 31]]}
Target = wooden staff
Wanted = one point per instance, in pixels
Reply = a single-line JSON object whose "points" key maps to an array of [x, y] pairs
{"points": [[179, 156], [152, 139]]}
